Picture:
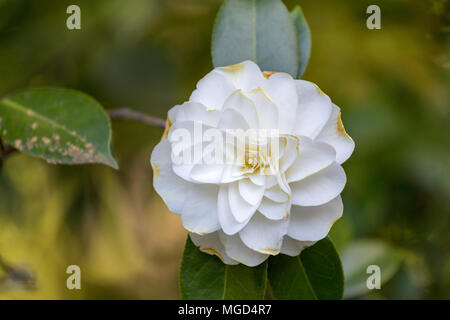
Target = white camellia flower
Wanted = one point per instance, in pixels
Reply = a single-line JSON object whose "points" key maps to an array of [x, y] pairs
{"points": [[268, 200]]}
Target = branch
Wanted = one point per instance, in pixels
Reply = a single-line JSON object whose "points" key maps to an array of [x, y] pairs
{"points": [[15, 276], [125, 113]]}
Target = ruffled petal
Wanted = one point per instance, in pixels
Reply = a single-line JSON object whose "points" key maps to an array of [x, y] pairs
{"points": [[320, 187], [312, 157], [167, 184], [238, 251], [264, 235], [210, 243], [334, 134], [314, 223], [199, 213], [314, 109], [227, 220]]}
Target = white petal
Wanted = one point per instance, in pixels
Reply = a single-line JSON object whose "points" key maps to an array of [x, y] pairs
{"points": [[227, 221], [334, 134], [314, 223], [258, 179], [212, 90], [186, 138], [250, 192], [243, 105], [194, 111], [276, 194], [292, 247], [290, 154], [314, 109], [167, 184], [232, 119], [312, 157], [211, 244], [264, 235], [215, 173], [172, 113], [199, 213], [245, 75], [274, 210], [267, 111], [320, 187], [281, 88], [238, 251], [241, 209]]}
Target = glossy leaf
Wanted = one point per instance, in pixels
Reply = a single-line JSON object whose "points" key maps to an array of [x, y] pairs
{"points": [[257, 30], [61, 126], [363, 253], [204, 276], [315, 274], [304, 38]]}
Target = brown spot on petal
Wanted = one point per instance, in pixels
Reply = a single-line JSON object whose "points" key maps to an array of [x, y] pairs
{"points": [[234, 67], [156, 171], [340, 127], [320, 91], [166, 130], [267, 74], [212, 251], [269, 251]]}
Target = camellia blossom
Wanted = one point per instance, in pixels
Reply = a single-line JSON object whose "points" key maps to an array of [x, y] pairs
{"points": [[266, 201]]}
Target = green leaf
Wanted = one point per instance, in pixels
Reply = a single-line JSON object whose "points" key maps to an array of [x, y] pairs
{"points": [[204, 276], [257, 30], [315, 274], [363, 253], [61, 126], [304, 38]]}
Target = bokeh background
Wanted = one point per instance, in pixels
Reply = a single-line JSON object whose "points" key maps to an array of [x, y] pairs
{"points": [[392, 85]]}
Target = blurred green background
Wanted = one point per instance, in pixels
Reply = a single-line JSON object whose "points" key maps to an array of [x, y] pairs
{"points": [[392, 85]]}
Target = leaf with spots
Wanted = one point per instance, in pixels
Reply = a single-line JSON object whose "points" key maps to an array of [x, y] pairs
{"points": [[62, 126], [257, 30], [204, 276], [314, 274]]}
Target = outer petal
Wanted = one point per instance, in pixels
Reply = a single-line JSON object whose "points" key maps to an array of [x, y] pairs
{"points": [[264, 235], [334, 134], [211, 244], [281, 88], [212, 90], [312, 157], [314, 109], [227, 221], [199, 213], [314, 223], [167, 184], [319, 188], [245, 75], [194, 111], [292, 247], [238, 251]]}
